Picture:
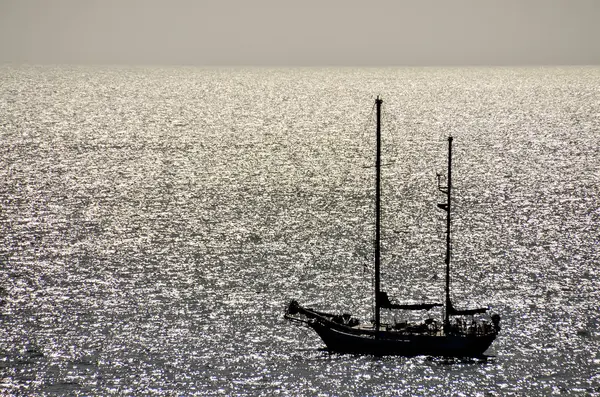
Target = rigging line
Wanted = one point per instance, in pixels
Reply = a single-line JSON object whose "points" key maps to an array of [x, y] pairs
{"points": [[355, 196], [356, 151], [357, 146], [364, 142], [391, 119]]}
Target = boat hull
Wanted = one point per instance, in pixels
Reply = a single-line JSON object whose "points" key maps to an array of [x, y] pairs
{"points": [[339, 340]]}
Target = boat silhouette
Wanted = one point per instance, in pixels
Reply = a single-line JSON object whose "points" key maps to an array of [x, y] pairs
{"points": [[460, 333]]}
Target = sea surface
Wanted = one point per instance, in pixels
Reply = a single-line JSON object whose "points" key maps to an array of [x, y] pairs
{"points": [[156, 221]]}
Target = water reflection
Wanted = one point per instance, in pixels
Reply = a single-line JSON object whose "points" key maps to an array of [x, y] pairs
{"points": [[153, 229]]}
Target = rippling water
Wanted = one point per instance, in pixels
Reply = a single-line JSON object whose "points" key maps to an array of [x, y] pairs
{"points": [[156, 221]]}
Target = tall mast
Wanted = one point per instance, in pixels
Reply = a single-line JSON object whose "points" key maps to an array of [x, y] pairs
{"points": [[378, 102], [448, 242]]}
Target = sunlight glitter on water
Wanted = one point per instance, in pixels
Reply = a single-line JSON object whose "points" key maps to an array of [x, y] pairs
{"points": [[154, 228]]}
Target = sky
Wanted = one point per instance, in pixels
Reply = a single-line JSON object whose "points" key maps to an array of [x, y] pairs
{"points": [[301, 32]]}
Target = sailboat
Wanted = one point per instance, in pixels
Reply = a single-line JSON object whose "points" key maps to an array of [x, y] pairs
{"points": [[459, 333]]}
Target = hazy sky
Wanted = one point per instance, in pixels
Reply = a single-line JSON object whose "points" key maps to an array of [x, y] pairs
{"points": [[301, 32]]}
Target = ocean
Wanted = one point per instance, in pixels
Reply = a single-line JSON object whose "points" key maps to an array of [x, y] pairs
{"points": [[156, 221]]}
